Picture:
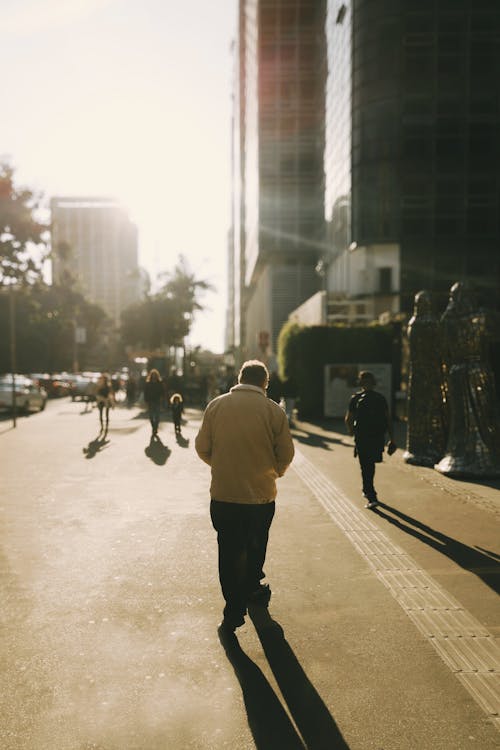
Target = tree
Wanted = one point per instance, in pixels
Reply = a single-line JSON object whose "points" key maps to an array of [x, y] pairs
{"points": [[44, 328], [21, 233], [165, 318]]}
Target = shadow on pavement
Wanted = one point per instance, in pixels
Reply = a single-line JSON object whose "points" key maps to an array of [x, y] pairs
{"points": [[181, 441], [482, 481], [315, 440], [96, 445], [157, 451], [124, 430], [268, 721], [312, 717], [482, 563]]}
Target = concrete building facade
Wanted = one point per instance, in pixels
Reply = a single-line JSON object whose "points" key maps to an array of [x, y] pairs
{"points": [[412, 157], [94, 242], [278, 169]]}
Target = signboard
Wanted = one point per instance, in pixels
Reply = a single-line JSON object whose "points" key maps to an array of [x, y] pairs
{"points": [[341, 381], [80, 335]]}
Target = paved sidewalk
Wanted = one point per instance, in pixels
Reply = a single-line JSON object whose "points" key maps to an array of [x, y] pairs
{"points": [[109, 633], [434, 543]]}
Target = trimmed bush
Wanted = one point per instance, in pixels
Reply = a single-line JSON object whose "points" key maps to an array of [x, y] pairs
{"points": [[303, 351]]}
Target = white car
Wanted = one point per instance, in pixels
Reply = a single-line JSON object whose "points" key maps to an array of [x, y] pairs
{"points": [[29, 395]]}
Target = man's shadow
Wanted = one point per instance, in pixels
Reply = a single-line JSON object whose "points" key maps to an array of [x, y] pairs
{"points": [[483, 563], [157, 451], [270, 724], [181, 441], [312, 439], [96, 445]]}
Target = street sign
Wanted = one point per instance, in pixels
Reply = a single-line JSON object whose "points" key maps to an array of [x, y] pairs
{"points": [[80, 335]]}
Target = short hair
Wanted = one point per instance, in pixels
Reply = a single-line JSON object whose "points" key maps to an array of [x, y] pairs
{"points": [[367, 377], [253, 372]]}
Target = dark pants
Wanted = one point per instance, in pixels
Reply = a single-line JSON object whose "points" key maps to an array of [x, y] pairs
{"points": [[369, 450], [154, 414], [242, 535], [103, 412], [367, 474]]}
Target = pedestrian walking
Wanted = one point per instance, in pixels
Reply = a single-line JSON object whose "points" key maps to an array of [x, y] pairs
{"points": [[153, 396], [245, 439], [367, 418], [131, 390], [177, 406], [105, 399]]}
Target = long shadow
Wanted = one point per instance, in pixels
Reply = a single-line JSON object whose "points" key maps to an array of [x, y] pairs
{"points": [[143, 414], [181, 441], [482, 563], [313, 719], [96, 445], [268, 721], [313, 439], [87, 409], [157, 451]]}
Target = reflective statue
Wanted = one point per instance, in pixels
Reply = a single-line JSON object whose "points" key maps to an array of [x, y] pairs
{"points": [[473, 445], [426, 436]]}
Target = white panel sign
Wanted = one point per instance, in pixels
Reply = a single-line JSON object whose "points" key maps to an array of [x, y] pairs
{"points": [[341, 382]]}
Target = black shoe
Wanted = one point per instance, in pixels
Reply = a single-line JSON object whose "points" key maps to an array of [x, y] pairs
{"points": [[261, 596], [371, 503]]}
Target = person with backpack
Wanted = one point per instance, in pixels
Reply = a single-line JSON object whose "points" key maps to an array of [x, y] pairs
{"points": [[367, 418]]}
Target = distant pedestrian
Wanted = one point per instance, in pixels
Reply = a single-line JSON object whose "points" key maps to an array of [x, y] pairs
{"points": [[154, 393], [131, 390], [177, 406], [367, 418], [245, 439], [274, 387], [105, 399]]}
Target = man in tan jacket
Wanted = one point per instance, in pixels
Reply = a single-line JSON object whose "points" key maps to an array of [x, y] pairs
{"points": [[246, 440]]}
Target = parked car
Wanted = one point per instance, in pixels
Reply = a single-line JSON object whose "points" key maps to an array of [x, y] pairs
{"points": [[56, 385], [30, 396], [83, 387]]}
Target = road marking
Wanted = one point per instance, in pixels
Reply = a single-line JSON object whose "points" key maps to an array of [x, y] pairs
{"points": [[469, 650]]}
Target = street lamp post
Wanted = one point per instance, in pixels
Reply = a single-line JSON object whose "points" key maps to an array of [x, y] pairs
{"points": [[12, 321]]}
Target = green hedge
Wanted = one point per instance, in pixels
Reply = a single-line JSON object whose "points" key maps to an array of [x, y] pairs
{"points": [[304, 350]]}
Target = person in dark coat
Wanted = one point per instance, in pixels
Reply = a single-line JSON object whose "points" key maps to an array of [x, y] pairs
{"points": [[177, 406], [153, 396], [131, 390], [367, 418]]}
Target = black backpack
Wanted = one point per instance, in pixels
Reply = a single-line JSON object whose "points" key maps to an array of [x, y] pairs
{"points": [[370, 414]]}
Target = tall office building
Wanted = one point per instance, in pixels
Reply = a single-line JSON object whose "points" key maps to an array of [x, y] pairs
{"points": [[412, 157], [95, 242], [278, 166]]}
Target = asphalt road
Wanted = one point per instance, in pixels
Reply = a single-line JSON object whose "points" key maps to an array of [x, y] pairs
{"points": [[111, 601]]}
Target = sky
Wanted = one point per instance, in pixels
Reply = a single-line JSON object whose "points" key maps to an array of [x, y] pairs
{"points": [[129, 99]]}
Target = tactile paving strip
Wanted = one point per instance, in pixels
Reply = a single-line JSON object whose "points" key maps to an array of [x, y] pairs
{"points": [[466, 647]]}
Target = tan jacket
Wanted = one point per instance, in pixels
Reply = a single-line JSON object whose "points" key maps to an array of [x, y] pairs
{"points": [[246, 440]]}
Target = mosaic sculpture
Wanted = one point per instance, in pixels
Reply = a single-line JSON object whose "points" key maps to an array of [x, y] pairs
{"points": [[473, 444], [426, 431]]}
